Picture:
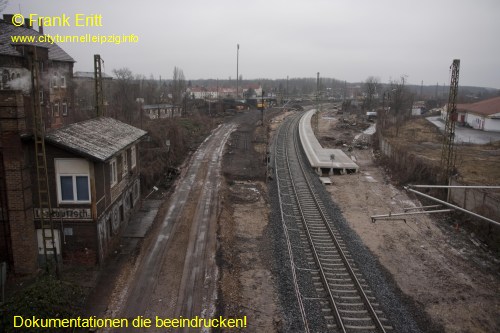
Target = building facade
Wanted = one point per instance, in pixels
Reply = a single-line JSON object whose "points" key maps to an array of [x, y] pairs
{"points": [[160, 111], [93, 167], [93, 170], [483, 115], [55, 72]]}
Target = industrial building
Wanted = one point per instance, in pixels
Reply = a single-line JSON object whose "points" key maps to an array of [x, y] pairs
{"points": [[483, 115]]}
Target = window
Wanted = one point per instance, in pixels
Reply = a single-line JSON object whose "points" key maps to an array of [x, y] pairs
{"points": [[75, 188], [113, 172], [73, 181], [53, 81], [63, 81], [132, 157], [64, 109], [55, 109], [124, 163]]}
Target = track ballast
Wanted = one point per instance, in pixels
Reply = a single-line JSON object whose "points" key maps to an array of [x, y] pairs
{"points": [[332, 295]]}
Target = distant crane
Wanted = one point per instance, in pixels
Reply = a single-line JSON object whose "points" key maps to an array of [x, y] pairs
{"points": [[448, 153]]}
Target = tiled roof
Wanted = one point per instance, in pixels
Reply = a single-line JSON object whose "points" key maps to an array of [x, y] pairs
{"points": [[98, 138], [487, 107], [7, 30]]}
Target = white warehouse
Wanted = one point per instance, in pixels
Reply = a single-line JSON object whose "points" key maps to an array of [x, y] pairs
{"points": [[483, 115]]}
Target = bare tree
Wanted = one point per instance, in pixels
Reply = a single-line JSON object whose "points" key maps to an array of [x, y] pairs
{"points": [[371, 89], [400, 102], [178, 85], [124, 95]]}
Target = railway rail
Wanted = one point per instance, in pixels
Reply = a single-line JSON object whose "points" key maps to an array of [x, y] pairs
{"points": [[339, 292]]}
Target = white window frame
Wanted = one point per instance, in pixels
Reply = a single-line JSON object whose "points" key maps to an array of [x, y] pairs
{"points": [[64, 107], [56, 109], [133, 157], [124, 163], [54, 80], [81, 170], [62, 81], [113, 172]]}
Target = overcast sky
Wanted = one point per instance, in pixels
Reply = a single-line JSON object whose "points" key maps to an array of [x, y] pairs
{"points": [[344, 39]]}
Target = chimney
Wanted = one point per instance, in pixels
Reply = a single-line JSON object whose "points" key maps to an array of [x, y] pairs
{"points": [[27, 23], [8, 18], [40, 27]]}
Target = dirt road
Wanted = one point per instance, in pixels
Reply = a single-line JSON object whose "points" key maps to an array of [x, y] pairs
{"points": [[175, 274]]}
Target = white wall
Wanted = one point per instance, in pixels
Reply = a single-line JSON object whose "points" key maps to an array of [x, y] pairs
{"points": [[474, 121], [492, 125]]}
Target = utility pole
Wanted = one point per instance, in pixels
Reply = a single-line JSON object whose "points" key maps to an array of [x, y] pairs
{"points": [[448, 153], [262, 104], [287, 87], [316, 118], [237, 69], [345, 90], [99, 97]]}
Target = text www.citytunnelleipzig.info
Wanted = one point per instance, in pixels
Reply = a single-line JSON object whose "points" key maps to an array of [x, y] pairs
{"points": [[84, 38]]}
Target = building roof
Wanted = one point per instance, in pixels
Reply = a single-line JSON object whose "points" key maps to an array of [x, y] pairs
{"points": [[98, 138], [90, 75], [197, 89], [7, 46], [157, 106], [487, 107]]}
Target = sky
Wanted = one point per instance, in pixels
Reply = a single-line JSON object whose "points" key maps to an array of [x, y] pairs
{"points": [[342, 39]]}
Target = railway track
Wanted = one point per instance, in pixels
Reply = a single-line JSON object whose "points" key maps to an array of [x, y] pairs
{"points": [[327, 280]]}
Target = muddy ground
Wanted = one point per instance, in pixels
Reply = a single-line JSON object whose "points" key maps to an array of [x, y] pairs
{"points": [[246, 283], [439, 268]]}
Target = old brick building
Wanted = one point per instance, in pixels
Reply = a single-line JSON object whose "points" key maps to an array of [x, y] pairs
{"points": [[17, 231], [94, 179], [92, 165], [56, 72]]}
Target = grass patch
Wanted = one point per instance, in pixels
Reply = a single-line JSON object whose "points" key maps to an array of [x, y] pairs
{"points": [[46, 297]]}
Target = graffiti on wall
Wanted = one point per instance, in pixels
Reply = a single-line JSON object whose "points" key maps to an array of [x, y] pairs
{"points": [[116, 216]]}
